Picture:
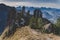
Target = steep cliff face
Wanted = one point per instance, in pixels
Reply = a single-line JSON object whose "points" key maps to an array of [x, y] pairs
{"points": [[26, 33], [4, 11]]}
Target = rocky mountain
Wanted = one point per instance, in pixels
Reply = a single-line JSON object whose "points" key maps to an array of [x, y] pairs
{"points": [[49, 13], [4, 10], [11, 21]]}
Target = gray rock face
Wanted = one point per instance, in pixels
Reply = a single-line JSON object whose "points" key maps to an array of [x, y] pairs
{"points": [[4, 11]]}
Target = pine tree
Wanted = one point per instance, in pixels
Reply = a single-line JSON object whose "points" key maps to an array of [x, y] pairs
{"points": [[23, 11], [57, 27], [37, 13], [27, 17], [58, 22], [36, 20]]}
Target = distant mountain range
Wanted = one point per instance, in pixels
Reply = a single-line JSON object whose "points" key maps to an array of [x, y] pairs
{"points": [[50, 13]]}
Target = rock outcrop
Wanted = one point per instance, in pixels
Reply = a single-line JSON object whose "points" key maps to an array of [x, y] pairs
{"points": [[4, 11]]}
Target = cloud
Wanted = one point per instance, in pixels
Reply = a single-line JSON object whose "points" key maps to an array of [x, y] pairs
{"points": [[29, 4], [34, 3], [31, 0]]}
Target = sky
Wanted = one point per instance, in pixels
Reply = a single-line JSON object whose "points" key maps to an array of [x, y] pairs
{"points": [[33, 3]]}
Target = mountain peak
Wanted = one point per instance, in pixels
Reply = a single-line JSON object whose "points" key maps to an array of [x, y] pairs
{"points": [[2, 4]]}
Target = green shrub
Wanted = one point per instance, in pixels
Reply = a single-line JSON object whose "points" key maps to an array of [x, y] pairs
{"points": [[57, 27], [36, 23]]}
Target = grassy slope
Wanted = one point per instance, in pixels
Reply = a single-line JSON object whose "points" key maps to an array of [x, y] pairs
{"points": [[26, 33]]}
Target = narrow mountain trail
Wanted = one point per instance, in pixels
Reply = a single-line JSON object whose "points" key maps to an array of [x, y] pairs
{"points": [[47, 25]]}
